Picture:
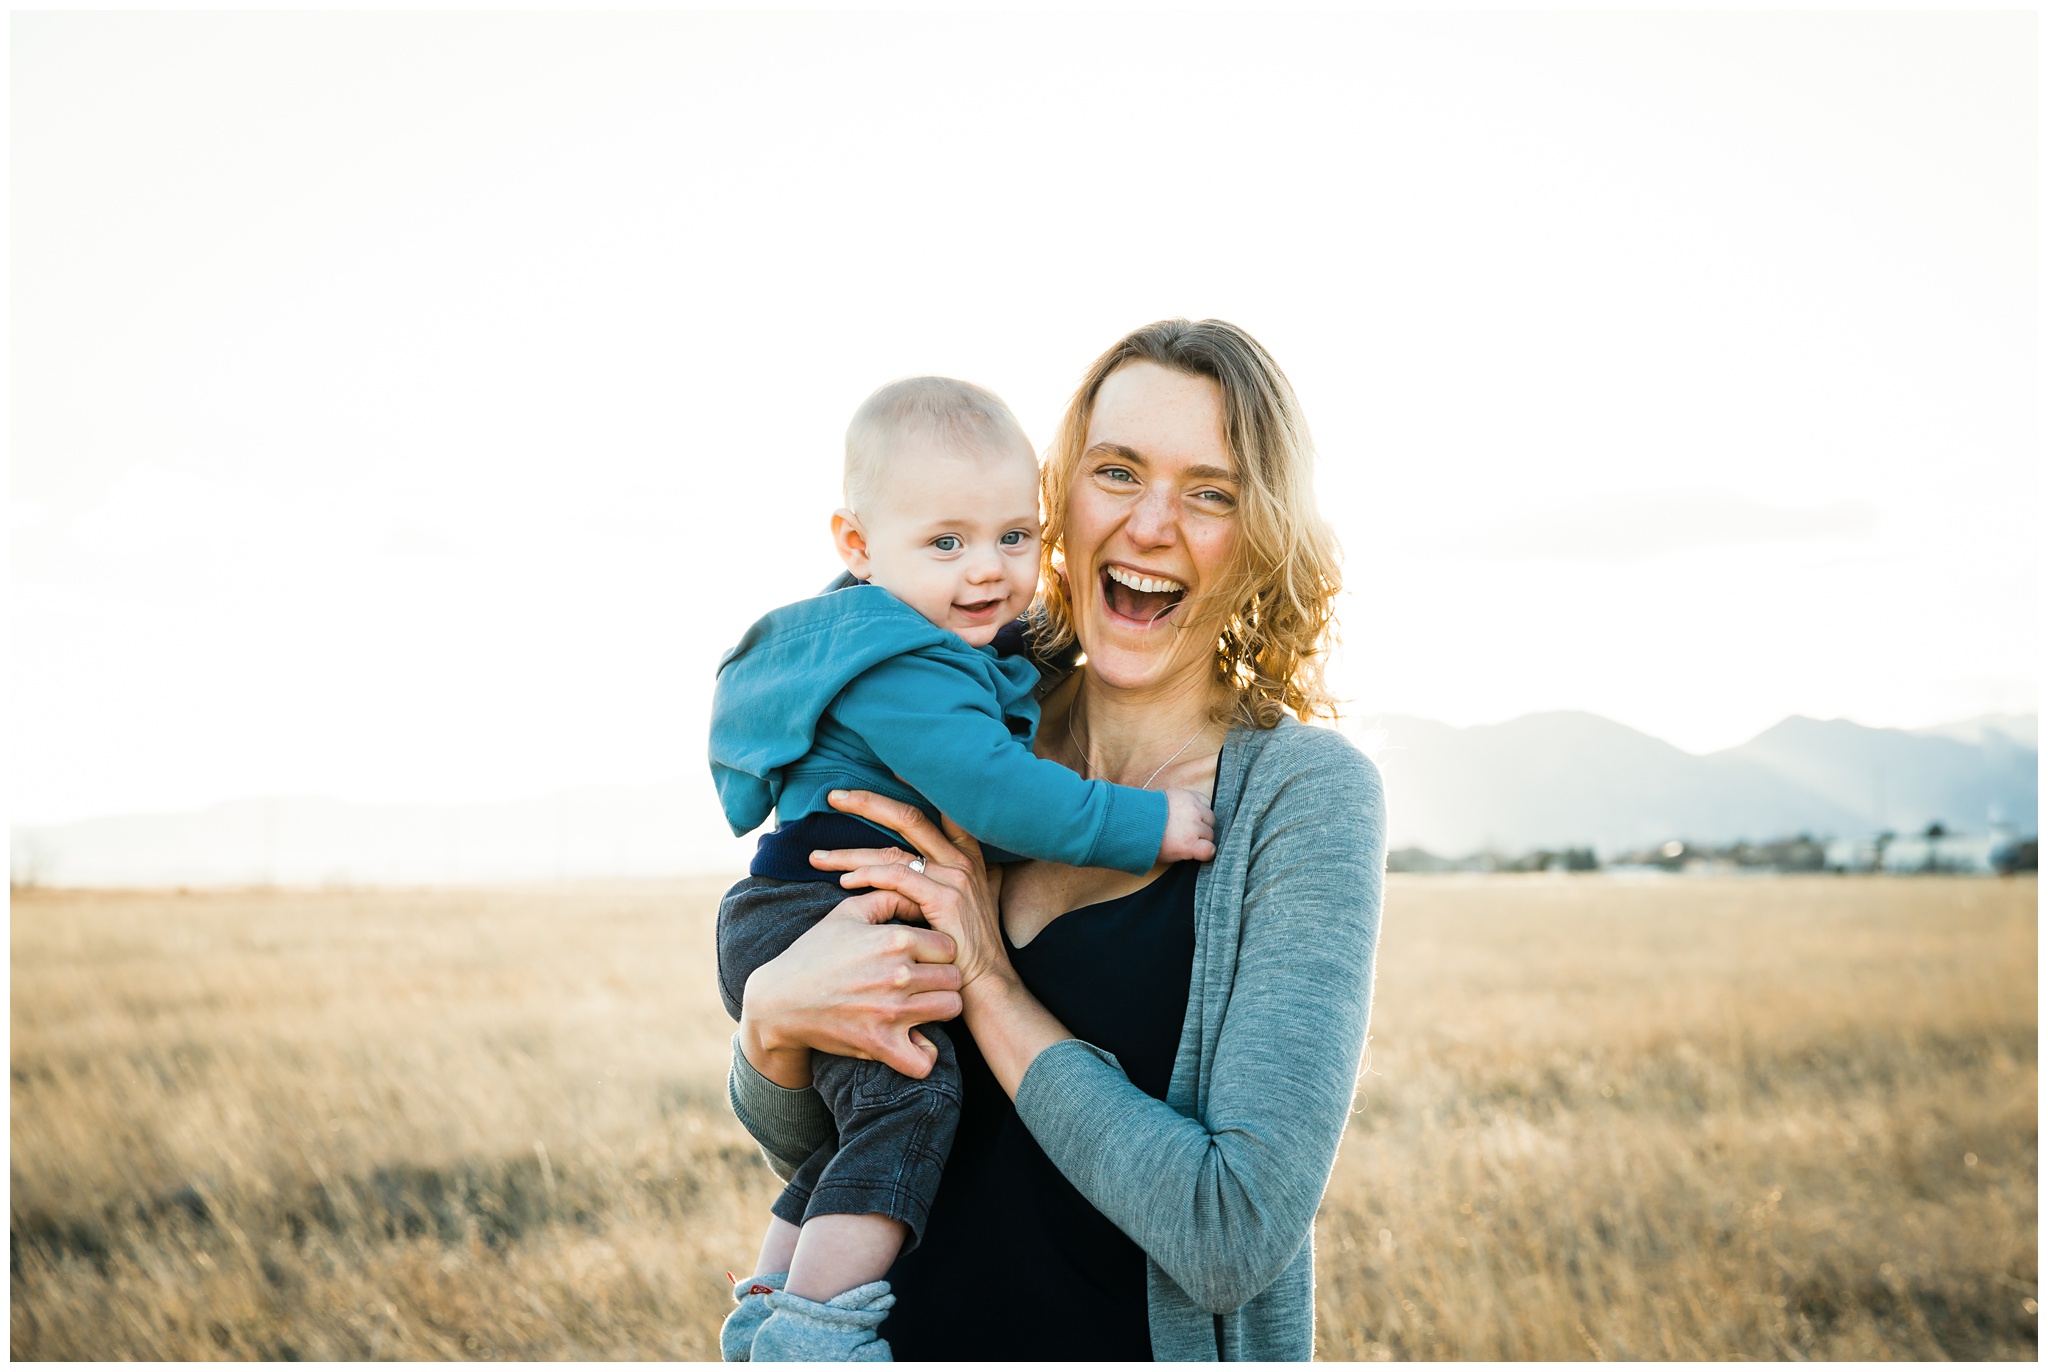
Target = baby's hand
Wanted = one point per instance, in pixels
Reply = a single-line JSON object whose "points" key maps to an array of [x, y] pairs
{"points": [[1190, 828]]}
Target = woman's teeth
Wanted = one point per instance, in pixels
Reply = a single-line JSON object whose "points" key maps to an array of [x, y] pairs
{"points": [[1133, 595], [1151, 585]]}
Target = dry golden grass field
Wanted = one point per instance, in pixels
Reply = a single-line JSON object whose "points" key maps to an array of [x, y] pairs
{"points": [[1767, 1118]]}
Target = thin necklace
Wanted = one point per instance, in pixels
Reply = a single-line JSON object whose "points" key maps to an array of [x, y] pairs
{"points": [[1089, 762]]}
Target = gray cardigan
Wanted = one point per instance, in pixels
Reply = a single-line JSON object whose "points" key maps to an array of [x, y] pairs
{"points": [[1219, 1183]]}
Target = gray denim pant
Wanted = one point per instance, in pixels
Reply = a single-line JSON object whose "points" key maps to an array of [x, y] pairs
{"points": [[893, 1132]]}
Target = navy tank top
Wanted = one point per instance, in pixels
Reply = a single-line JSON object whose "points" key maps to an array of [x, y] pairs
{"points": [[1015, 1264]]}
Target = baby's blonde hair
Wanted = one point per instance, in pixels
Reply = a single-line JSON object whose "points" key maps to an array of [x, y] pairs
{"points": [[958, 414]]}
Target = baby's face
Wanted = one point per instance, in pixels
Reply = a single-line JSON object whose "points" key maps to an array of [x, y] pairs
{"points": [[952, 534]]}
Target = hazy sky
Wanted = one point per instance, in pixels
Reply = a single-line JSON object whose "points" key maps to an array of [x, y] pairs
{"points": [[412, 407]]}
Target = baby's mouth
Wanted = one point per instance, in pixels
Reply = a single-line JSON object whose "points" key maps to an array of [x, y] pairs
{"points": [[1134, 595]]}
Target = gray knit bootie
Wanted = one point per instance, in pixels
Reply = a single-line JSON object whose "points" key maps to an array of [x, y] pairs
{"points": [[736, 1335], [839, 1330]]}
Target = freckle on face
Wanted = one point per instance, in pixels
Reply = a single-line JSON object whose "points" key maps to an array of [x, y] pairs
{"points": [[1174, 423]]}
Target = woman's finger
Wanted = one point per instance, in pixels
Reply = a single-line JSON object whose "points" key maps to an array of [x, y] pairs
{"points": [[923, 978], [903, 819], [922, 888], [914, 941], [846, 859], [922, 945], [931, 1007], [906, 1055], [960, 838], [875, 907]]}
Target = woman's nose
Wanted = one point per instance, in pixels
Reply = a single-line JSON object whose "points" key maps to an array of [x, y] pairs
{"points": [[1155, 519]]}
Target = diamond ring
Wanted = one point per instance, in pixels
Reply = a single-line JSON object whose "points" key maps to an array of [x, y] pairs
{"points": [[916, 864]]}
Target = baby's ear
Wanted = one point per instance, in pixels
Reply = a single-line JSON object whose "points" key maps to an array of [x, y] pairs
{"points": [[850, 541]]}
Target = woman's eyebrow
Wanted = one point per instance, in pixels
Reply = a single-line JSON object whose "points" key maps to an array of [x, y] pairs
{"points": [[1203, 472]]}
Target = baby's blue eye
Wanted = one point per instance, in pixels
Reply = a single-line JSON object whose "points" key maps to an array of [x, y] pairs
{"points": [[1013, 538], [946, 543]]}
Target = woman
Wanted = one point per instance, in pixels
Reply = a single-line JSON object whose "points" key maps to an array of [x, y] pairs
{"points": [[1160, 1067]]}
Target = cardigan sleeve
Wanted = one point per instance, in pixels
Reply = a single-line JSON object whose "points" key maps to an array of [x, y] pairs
{"points": [[789, 1125], [1223, 1202]]}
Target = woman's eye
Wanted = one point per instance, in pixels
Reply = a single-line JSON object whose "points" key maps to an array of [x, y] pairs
{"points": [[1220, 499], [1013, 538], [946, 543], [1115, 473]]}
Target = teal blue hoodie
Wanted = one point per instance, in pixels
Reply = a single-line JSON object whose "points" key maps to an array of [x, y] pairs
{"points": [[853, 689]]}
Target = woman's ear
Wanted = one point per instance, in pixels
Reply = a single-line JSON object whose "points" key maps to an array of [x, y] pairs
{"points": [[851, 542]]}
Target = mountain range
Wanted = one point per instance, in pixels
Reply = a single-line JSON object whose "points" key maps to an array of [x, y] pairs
{"points": [[1566, 778], [1554, 780]]}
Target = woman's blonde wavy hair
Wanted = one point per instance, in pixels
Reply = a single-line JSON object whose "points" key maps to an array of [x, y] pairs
{"points": [[1274, 613]]}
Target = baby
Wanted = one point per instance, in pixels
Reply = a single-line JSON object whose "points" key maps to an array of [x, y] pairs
{"points": [[893, 685]]}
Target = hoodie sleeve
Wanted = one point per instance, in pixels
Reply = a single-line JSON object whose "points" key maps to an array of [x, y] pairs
{"points": [[940, 731]]}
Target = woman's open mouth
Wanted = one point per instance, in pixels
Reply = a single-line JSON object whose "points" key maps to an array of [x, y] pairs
{"points": [[1138, 597]]}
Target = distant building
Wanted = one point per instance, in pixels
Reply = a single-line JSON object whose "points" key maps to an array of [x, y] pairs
{"points": [[1916, 853], [1948, 853]]}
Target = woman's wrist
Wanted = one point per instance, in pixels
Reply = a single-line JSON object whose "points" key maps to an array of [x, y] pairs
{"points": [[990, 989], [788, 1066], [1009, 1024]]}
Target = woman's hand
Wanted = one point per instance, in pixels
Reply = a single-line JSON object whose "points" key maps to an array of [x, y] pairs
{"points": [[945, 880], [954, 893], [854, 985]]}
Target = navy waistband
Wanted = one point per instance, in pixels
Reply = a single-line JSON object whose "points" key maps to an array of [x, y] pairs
{"points": [[784, 854]]}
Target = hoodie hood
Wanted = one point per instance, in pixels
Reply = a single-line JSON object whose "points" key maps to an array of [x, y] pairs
{"points": [[782, 678]]}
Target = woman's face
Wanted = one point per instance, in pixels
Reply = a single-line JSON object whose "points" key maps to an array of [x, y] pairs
{"points": [[1150, 520]]}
